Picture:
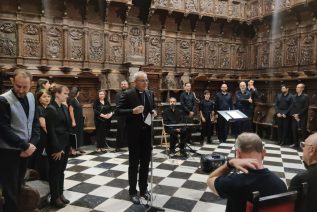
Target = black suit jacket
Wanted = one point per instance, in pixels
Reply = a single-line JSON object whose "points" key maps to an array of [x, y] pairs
{"points": [[58, 128], [129, 100]]}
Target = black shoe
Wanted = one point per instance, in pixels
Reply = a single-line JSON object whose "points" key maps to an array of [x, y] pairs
{"points": [[64, 200], [135, 199], [57, 203], [209, 141], [146, 195], [183, 153]]}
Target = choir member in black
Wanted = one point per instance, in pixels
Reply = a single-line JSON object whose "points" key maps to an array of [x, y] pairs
{"points": [[42, 84], [283, 105], [223, 101], [255, 94], [299, 114], [244, 104], [188, 101], [19, 133], [77, 119], [103, 114], [58, 125], [138, 106], [173, 115], [121, 135], [40, 160], [206, 110]]}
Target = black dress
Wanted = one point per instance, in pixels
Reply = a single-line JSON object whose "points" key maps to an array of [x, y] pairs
{"points": [[102, 125], [40, 157], [79, 119]]}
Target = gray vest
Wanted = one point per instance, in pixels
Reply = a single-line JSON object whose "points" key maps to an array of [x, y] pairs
{"points": [[20, 123]]}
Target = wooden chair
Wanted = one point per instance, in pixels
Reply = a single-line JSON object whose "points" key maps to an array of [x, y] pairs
{"points": [[164, 136], [284, 202]]}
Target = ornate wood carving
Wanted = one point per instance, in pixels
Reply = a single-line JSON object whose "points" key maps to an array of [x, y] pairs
{"points": [[155, 51], [184, 53], [307, 50], [170, 52], [116, 53], [8, 45], [54, 42], [76, 44], [291, 51], [31, 41], [96, 46]]}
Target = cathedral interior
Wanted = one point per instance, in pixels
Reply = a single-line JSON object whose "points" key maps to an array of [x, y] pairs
{"points": [[95, 44]]}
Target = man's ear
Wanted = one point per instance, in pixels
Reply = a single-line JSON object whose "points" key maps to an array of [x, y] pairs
{"points": [[12, 80], [263, 153], [238, 153]]}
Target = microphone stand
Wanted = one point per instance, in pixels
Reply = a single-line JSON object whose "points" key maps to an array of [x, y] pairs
{"points": [[152, 208]]}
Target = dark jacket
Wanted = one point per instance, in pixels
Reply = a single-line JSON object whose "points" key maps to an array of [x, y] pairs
{"points": [[101, 109], [129, 100], [58, 127]]}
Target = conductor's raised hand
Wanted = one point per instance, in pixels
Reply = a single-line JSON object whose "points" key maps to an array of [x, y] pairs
{"points": [[138, 109]]}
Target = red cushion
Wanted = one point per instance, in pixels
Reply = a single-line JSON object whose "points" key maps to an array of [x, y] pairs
{"points": [[284, 207]]}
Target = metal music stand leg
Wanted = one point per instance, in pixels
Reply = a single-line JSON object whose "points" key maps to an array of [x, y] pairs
{"points": [[152, 208]]}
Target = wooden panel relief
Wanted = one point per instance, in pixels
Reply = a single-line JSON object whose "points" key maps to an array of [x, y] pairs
{"points": [[184, 54], [54, 42], [96, 46], [206, 6], [212, 55], [115, 44], [76, 44], [263, 55], [155, 51], [136, 42], [8, 42], [224, 55], [240, 57], [191, 6], [170, 52], [31, 41], [291, 51], [277, 53], [199, 54], [307, 50]]}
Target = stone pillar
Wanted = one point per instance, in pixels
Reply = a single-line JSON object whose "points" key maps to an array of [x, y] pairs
{"points": [[43, 43], [66, 53], [86, 46]]}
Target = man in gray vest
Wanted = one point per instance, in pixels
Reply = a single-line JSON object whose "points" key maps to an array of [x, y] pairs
{"points": [[19, 132]]}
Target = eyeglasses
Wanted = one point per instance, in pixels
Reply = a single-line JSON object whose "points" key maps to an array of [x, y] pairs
{"points": [[303, 144]]}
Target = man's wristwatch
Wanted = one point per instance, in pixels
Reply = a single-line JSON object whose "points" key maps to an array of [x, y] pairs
{"points": [[229, 165]]}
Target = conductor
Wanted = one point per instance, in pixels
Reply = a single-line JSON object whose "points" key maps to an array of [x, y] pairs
{"points": [[138, 106]]}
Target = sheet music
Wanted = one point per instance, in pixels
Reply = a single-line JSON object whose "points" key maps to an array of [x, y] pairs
{"points": [[234, 114], [148, 119]]}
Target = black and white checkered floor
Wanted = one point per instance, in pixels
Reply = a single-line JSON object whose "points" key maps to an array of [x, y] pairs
{"points": [[99, 181]]}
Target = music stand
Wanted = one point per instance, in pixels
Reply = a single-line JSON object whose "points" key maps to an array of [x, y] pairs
{"points": [[232, 115]]}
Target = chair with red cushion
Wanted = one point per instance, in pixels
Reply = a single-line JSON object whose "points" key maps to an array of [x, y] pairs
{"points": [[284, 202]]}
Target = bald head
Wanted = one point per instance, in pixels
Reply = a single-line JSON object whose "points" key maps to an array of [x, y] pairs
{"points": [[312, 139]]}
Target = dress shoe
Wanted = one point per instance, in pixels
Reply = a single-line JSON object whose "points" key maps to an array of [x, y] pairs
{"points": [[209, 141], [292, 146], [146, 195], [135, 199], [64, 200], [183, 153], [57, 203]]}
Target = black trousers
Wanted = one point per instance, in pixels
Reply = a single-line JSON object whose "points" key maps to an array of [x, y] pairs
{"points": [[242, 126], [102, 130], [207, 129], [121, 134], [302, 124], [12, 172], [184, 134], [222, 129], [140, 149], [56, 174], [283, 126]]}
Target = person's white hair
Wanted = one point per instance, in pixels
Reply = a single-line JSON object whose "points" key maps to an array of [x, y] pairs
{"points": [[139, 74]]}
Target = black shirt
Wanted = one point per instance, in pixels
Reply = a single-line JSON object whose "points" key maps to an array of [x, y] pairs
{"points": [[238, 188], [223, 101], [5, 124], [188, 102], [242, 102], [300, 105], [283, 103], [172, 116], [101, 108], [206, 107], [309, 176]]}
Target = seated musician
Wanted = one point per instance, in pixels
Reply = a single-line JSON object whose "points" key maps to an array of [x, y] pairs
{"points": [[173, 115]]}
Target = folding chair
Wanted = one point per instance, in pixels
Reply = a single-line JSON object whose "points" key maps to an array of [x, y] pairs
{"points": [[164, 136], [284, 202]]}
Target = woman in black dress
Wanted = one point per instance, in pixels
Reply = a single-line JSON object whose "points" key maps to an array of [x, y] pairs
{"points": [[77, 119], [103, 114], [58, 127], [43, 98]]}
